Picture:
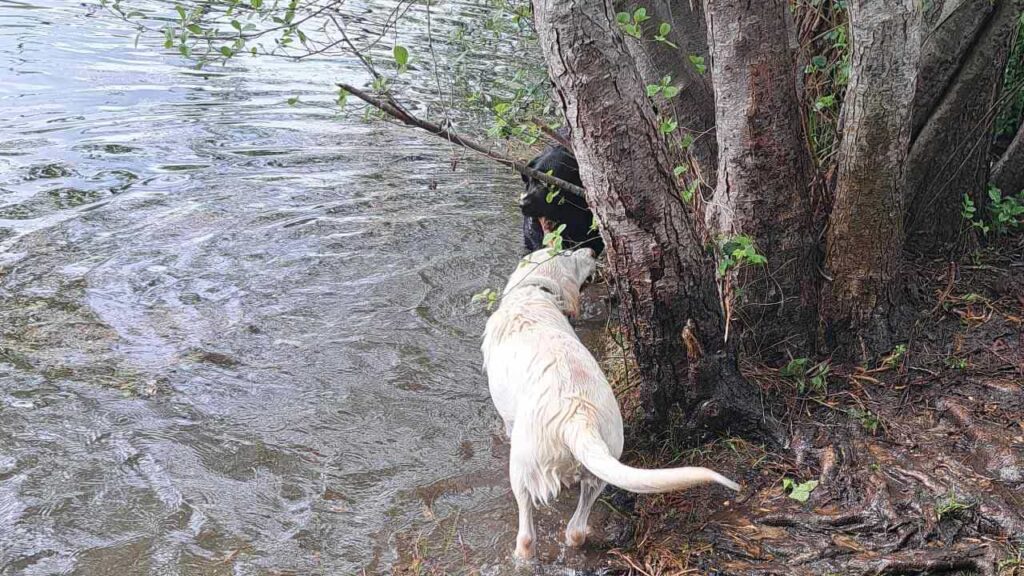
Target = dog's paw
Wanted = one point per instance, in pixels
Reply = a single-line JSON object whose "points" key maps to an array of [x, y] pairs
{"points": [[524, 548], [575, 538]]}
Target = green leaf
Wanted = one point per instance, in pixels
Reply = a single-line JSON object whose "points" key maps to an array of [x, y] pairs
{"points": [[823, 102], [236, 25], [664, 29], [401, 54], [195, 29], [799, 492], [256, 4], [679, 170], [168, 38], [181, 11], [670, 91], [554, 238], [653, 89], [690, 190], [819, 62], [698, 63], [342, 97], [293, 100], [622, 18], [226, 51], [640, 15]]}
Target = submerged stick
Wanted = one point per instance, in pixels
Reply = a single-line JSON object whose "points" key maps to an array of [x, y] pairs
{"points": [[391, 108]]}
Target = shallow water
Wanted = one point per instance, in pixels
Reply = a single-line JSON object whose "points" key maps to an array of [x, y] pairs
{"points": [[235, 335]]}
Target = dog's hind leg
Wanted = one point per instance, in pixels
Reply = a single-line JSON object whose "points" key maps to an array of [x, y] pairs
{"points": [[576, 530], [526, 537]]}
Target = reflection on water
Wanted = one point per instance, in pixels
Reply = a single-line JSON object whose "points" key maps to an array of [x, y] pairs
{"points": [[234, 334]]}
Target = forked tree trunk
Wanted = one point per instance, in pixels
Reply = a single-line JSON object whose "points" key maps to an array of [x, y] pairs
{"points": [[949, 154], [865, 233], [1008, 173], [765, 171], [663, 275]]}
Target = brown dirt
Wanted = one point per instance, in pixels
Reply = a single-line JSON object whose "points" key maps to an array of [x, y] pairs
{"points": [[919, 458]]}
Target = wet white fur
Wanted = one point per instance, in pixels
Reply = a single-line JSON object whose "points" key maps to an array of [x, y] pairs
{"points": [[558, 408]]}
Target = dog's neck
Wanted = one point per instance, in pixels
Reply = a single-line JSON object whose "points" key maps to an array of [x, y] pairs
{"points": [[550, 288], [540, 282]]}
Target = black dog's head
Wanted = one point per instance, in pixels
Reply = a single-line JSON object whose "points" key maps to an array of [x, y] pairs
{"points": [[541, 201]]}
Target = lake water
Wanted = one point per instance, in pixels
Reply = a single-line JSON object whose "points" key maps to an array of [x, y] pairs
{"points": [[236, 335]]}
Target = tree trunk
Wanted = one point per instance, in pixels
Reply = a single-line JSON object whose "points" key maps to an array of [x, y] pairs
{"points": [[694, 106], [949, 154], [663, 276], [865, 232], [765, 171], [1008, 173]]}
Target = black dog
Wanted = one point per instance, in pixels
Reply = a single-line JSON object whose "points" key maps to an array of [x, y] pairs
{"points": [[541, 201]]}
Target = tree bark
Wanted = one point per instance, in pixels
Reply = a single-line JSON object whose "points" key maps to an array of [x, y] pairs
{"points": [[949, 154], [1008, 173], [765, 171], [662, 274], [694, 106], [948, 30], [865, 233]]}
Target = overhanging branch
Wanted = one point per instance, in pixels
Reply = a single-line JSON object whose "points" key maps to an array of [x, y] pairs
{"points": [[391, 108]]}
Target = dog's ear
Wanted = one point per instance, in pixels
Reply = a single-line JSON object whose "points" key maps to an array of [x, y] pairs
{"points": [[570, 298], [586, 263]]}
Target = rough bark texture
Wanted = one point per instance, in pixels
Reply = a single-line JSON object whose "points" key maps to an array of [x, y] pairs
{"points": [[663, 275], [1008, 173], [865, 233], [765, 171], [694, 106], [949, 29], [949, 154]]}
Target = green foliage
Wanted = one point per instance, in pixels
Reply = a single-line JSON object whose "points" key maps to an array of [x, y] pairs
{"points": [[663, 87], [401, 54], [668, 126], [1005, 212], [662, 35], [807, 377], [894, 358], [951, 506], [488, 297], [956, 363], [690, 190], [698, 63], [867, 419], [738, 251], [799, 492], [554, 239], [826, 47], [630, 23]]}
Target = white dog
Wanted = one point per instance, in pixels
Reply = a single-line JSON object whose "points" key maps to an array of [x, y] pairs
{"points": [[558, 408]]}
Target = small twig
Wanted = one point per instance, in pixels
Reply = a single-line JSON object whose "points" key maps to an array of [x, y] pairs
{"points": [[554, 135], [390, 107]]}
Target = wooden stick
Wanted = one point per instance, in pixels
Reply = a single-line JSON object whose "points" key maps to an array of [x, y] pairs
{"points": [[391, 108]]}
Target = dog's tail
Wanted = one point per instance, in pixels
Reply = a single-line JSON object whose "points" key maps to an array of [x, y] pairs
{"points": [[591, 450]]}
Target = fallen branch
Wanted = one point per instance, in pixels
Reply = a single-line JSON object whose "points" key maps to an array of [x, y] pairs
{"points": [[391, 108]]}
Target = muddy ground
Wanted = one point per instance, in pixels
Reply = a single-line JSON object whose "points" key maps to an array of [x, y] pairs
{"points": [[918, 459]]}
